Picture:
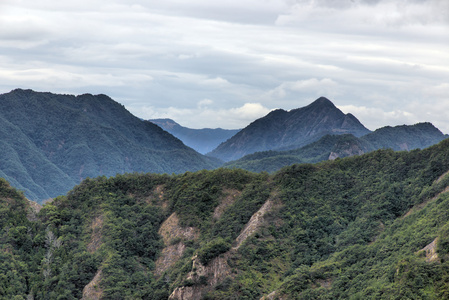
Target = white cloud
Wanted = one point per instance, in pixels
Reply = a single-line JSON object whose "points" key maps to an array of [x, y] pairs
{"points": [[366, 15], [312, 86], [374, 118], [204, 103], [377, 54]]}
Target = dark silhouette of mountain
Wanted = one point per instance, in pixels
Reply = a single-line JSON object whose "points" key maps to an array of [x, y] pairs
{"points": [[51, 142], [404, 137], [202, 140], [284, 130]]}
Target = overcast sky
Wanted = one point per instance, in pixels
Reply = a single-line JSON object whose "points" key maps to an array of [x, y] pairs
{"points": [[224, 63]]}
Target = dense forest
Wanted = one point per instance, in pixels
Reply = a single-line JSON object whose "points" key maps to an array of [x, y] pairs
{"points": [[373, 226], [51, 142]]}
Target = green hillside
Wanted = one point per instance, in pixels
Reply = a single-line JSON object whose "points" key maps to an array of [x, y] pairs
{"points": [[372, 226], [52, 142], [398, 138]]}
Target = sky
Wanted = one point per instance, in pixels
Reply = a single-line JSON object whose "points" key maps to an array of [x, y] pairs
{"points": [[225, 63]]}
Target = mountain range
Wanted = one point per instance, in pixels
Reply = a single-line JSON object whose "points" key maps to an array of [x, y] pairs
{"points": [[360, 222], [51, 142], [202, 140], [372, 226], [329, 147], [284, 130]]}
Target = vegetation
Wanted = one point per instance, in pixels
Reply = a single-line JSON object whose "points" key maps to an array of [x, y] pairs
{"points": [[52, 142], [418, 136], [350, 228], [285, 130]]}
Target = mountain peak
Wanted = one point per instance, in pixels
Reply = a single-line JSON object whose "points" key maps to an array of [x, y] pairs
{"points": [[322, 101], [281, 130]]}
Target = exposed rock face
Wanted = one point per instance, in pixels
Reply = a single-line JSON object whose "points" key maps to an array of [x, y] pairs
{"points": [[169, 256], [186, 293], [92, 291], [254, 223], [95, 240], [204, 278], [171, 230], [172, 252], [431, 251]]}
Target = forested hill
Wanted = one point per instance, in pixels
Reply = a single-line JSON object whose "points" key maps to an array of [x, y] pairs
{"points": [[51, 142], [284, 130], [398, 138], [374, 226], [202, 140]]}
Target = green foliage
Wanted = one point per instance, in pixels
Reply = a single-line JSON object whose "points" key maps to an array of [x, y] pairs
{"points": [[213, 249], [194, 195], [352, 228], [404, 137], [49, 143]]}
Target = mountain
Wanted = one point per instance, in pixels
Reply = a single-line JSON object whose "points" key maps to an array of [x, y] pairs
{"points": [[202, 140], [404, 137], [284, 130], [50, 142], [373, 226]]}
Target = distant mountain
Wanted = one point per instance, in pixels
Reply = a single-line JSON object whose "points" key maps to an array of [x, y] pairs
{"points": [[202, 140], [404, 137], [51, 142], [284, 130]]}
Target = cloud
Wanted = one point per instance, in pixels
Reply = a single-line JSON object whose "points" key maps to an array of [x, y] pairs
{"points": [[204, 103], [367, 15], [249, 111], [312, 86], [174, 57], [374, 118]]}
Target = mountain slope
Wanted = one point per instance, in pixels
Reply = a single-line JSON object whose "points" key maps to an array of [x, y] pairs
{"points": [[371, 226], [202, 140], [404, 137], [51, 142], [282, 130]]}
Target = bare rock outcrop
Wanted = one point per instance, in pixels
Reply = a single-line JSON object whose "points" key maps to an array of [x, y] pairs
{"points": [[92, 290], [169, 256], [430, 251], [203, 278], [254, 223], [173, 236], [95, 238], [171, 230]]}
